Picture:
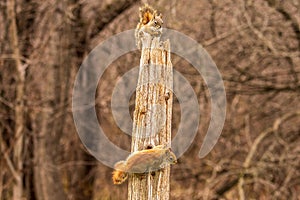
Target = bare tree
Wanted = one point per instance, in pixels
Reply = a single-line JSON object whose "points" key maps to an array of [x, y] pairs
{"points": [[17, 166], [255, 45]]}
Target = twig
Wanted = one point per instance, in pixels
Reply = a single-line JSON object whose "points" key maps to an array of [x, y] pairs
{"points": [[8, 161], [7, 103], [224, 35]]}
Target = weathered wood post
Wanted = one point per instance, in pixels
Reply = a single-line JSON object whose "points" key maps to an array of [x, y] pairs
{"points": [[153, 109]]}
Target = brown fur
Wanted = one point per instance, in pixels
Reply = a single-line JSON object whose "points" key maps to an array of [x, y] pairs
{"points": [[143, 161], [150, 22], [147, 13]]}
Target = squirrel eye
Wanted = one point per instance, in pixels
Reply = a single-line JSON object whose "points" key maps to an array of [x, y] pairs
{"points": [[155, 22]]}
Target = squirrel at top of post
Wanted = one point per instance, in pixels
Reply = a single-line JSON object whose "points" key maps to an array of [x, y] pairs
{"points": [[150, 22], [143, 161]]}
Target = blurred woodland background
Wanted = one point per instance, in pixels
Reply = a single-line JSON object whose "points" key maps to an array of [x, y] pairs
{"points": [[255, 44]]}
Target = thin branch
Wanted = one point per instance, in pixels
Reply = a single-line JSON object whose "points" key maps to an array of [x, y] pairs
{"points": [[294, 22], [240, 188], [253, 149], [8, 161], [7, 103], [224, 35]]}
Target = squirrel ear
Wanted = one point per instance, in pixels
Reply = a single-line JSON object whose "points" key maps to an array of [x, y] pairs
{"points": [[167, 152]]}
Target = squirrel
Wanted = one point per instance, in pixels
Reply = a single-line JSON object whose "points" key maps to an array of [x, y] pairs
{"points": [[143, 161], [150, 22]]}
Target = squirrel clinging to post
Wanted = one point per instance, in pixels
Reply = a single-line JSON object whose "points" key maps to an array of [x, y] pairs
{"points": [[150, 23], [143, 161]]}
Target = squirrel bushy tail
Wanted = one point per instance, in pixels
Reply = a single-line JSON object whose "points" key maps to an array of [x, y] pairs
{"points": [[119, 174], [150, 22], [147, 13]]}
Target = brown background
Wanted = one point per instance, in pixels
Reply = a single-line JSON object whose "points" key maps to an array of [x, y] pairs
{"points": [[256, 46]]}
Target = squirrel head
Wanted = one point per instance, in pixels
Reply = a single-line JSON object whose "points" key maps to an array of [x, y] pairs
{"points": [[157, 20], [170, 157]]}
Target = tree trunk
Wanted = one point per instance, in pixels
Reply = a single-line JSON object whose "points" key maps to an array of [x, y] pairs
{"points": [[152, 116], [50, 122], [19, 101], [2, 171]]}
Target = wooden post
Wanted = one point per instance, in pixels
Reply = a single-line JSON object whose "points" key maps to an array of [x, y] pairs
{"points": [[152, 115]]}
